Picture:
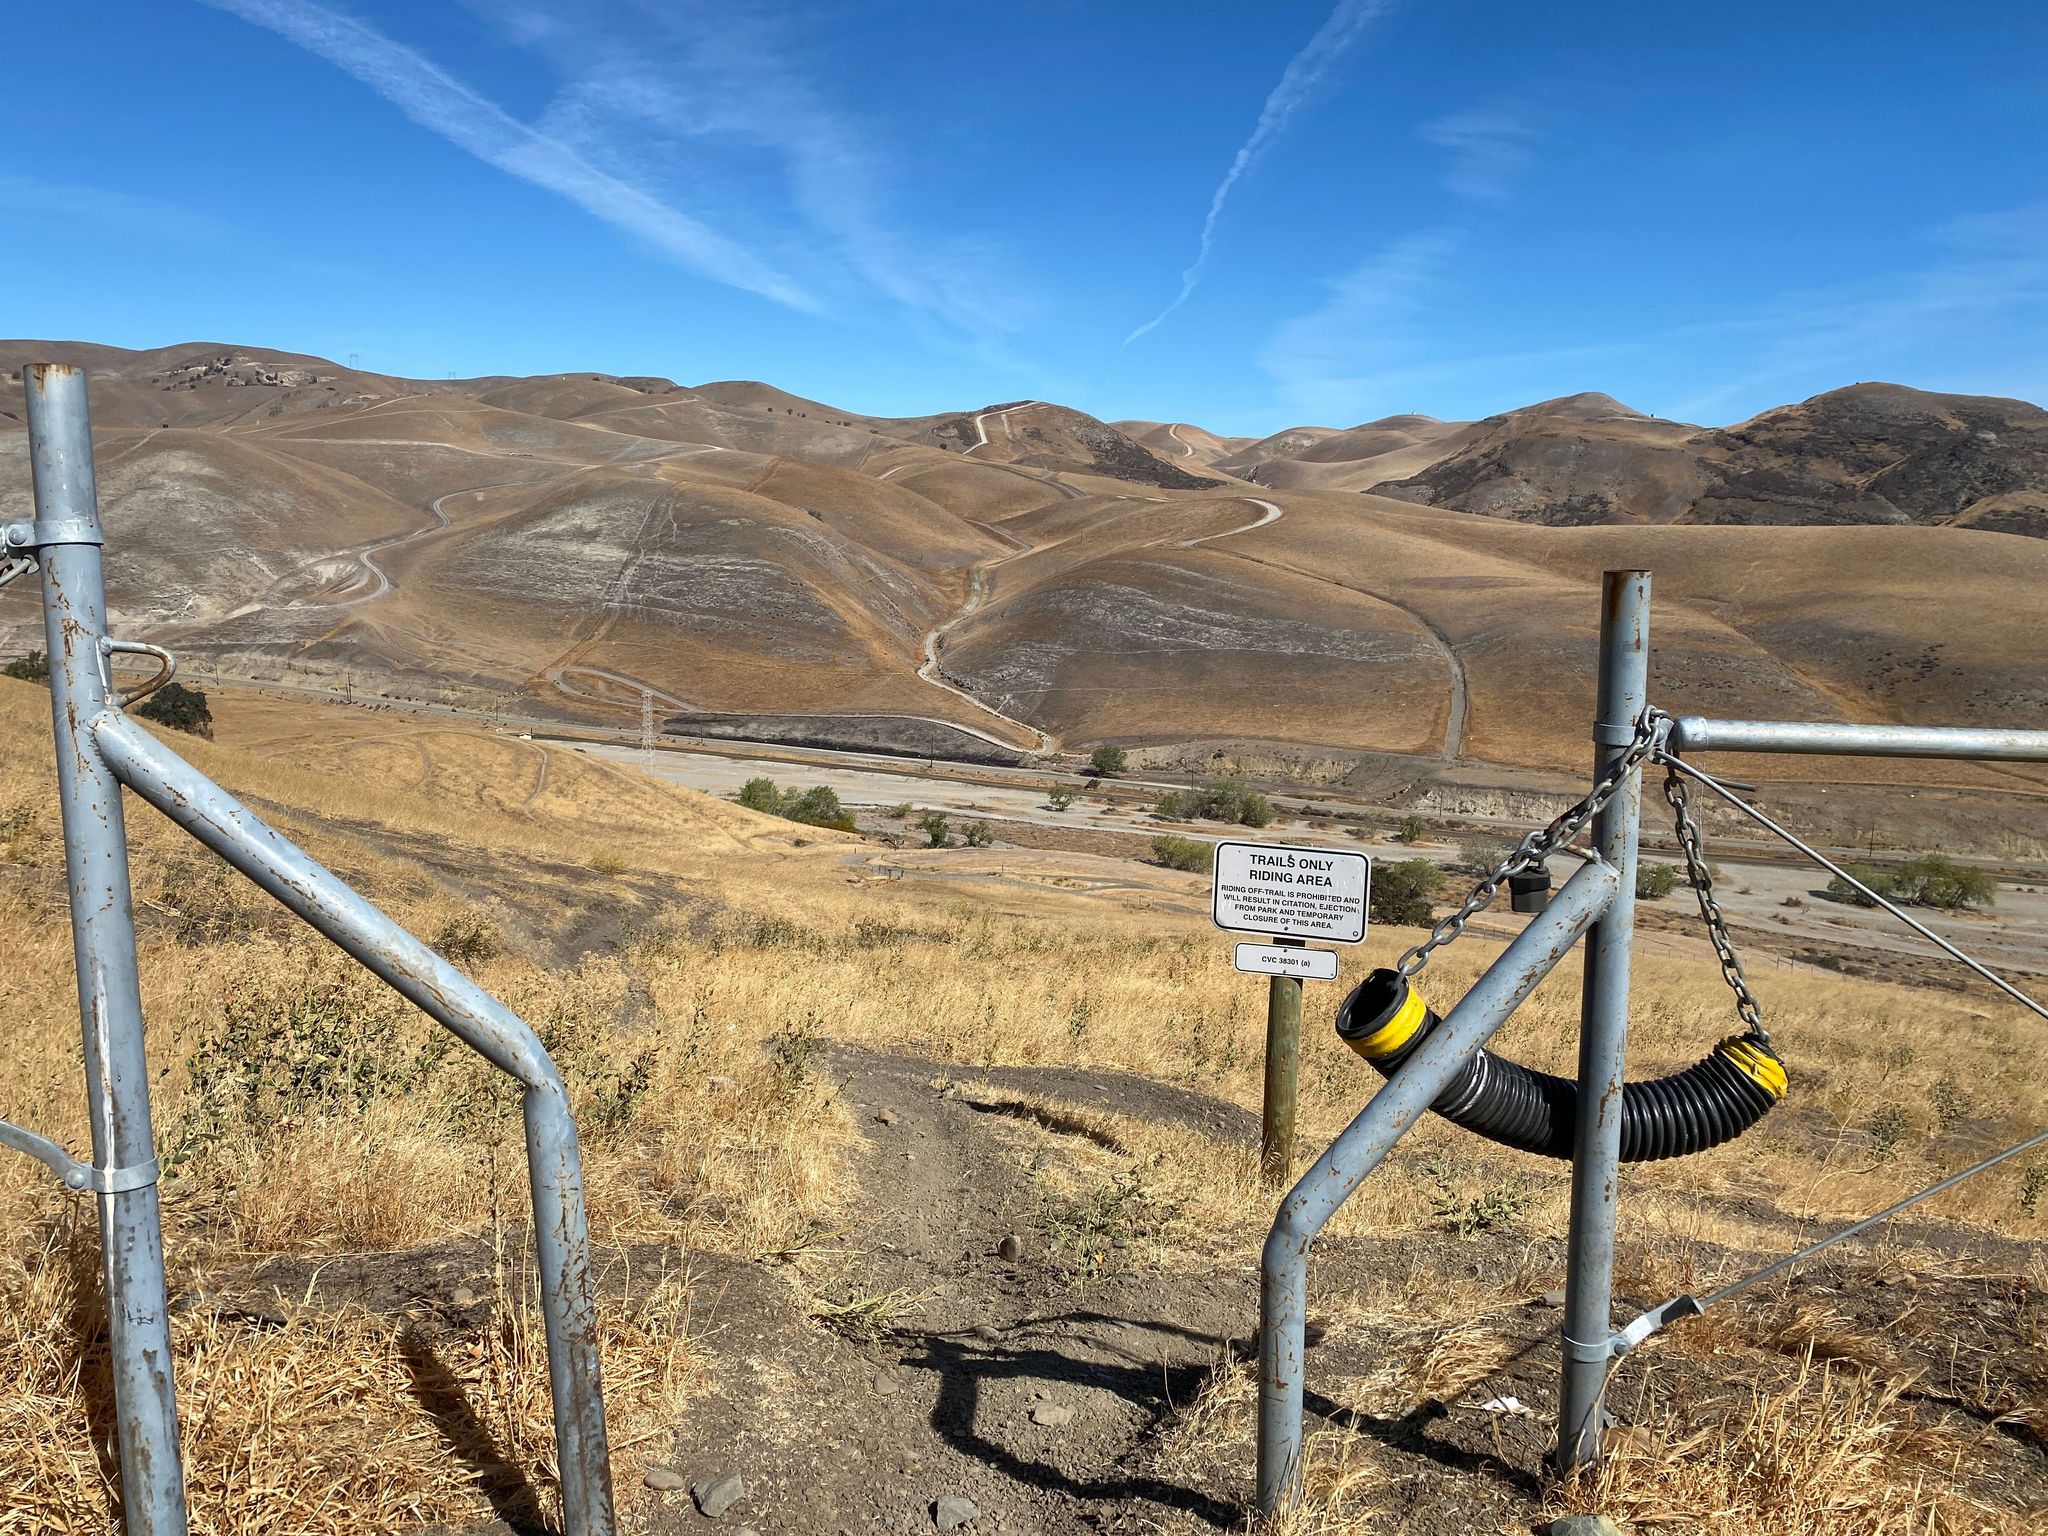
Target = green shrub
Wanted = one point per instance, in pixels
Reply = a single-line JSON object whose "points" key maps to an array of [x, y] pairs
{"points": [[1932, 880], [1655, 881], [1060, 796], [1108, 761], [817, 806], [761, 795], [1878, 880], [1217, 800], [979, 834], [180, 708], [32, 667], [1412, 829], [934, 826], [1254, 809], [1189, 853], [1401, 892]]}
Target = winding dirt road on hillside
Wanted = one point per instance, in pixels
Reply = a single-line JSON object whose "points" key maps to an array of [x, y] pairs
{"points": [[1454, 664], [977, 589], [369, 552], [1271, 514], [980, 417]]}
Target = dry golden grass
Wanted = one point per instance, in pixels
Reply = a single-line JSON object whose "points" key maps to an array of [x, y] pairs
{"points": [[309, 1119]]}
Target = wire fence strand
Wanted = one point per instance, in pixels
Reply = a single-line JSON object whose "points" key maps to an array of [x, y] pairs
{"points": [[1660, 1317]]}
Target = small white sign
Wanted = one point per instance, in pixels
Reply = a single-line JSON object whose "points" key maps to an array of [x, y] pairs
{"points": [[1286, 960], [1291, 892]]}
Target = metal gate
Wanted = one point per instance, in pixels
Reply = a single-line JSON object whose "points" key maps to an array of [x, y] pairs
{"points": [[1598, 904], [99, 750]]}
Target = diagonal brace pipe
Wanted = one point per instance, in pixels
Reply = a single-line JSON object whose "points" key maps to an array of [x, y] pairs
{"points": [[560, 1221], [1363, 1146]]}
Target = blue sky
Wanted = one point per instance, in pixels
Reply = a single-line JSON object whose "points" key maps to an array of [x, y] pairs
{"points": [[1242, 216]]}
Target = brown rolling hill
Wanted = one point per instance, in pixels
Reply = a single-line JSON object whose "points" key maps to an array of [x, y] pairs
{"points": [[1871, 453], [1023, 578]]}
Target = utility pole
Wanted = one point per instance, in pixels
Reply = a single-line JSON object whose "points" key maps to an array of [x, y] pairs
{"points": [[647, 730]]}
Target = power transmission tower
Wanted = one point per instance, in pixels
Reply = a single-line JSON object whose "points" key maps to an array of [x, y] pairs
{"points": [[647, 729]]}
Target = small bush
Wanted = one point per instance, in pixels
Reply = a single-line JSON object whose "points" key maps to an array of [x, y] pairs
{"points": [[817, 806], [1935, 881], [935, 827], [1932, 880], [32, 667], [1107, 761], [1216, 800], [760, 795], [898, 812], [1655, 881], [1188, 853], [1401, 892], [1483, 854], [180, 708], [1060, 796], [979, 834], [1413, 829]]}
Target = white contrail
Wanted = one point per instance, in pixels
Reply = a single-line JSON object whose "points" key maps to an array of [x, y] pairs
{"points": [[437, 101], [1305, 75]]}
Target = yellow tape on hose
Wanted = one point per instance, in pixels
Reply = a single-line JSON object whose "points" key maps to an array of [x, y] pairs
{"points": [[1397, 1031], [1755, 1063]]}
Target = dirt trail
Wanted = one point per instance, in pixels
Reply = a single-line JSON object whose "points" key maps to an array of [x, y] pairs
{"points": [[1454, 721], [928, 670], [836, 1428]]}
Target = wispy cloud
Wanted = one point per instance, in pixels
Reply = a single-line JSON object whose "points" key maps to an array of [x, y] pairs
{"points": [[1329, 362], [1306, 76], [1489, 149], [444, 105], [649, 83], [127, 213], [1373, 345]]}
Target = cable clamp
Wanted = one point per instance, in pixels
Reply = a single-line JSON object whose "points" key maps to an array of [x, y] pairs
{"points": [[1614, 735], [1656, 1320], [64, 530], [73, 1174], [1588, 1354]]}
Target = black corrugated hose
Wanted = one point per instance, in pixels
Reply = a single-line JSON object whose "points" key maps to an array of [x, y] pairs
{"points": [[1711, 1102]]}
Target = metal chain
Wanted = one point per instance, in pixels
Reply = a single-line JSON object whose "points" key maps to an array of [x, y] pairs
{"points": [[1679, 794], [1540, 844]]}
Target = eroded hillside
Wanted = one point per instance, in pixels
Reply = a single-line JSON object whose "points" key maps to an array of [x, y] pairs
{"points": [[1024, 579]]}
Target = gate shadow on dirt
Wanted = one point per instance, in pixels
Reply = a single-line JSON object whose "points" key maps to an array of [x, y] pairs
{"points": [[965, 1364]]}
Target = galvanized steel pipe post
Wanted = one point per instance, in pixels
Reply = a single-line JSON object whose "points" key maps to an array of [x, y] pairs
{"points": [[1603, 1024], [99, 749], [561, 1228], [65, 539], [1283, 1279]]}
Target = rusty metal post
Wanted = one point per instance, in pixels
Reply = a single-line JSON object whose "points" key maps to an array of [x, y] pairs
{"points": [[1283, 1073], [1603, 1026], [1364, 1144], [65, 540]]}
